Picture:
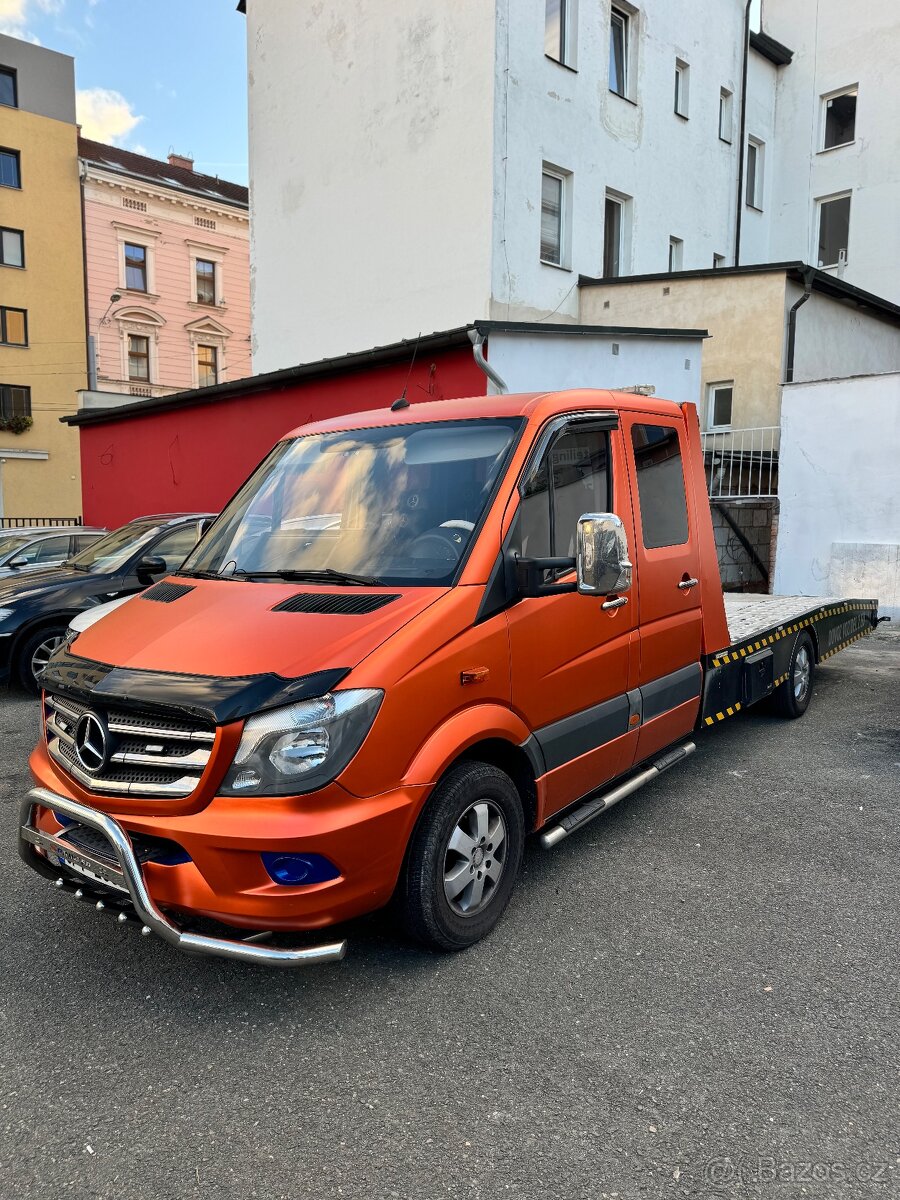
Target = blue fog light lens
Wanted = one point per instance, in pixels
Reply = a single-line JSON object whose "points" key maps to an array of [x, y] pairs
{"points": [[293, 869]]}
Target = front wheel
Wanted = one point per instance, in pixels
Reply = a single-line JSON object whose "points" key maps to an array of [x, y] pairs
{"points": [[464, 858], [791, 698], [34, 654]]}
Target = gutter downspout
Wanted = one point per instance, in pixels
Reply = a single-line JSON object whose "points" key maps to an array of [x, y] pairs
{"points": [[477, 338], [742, 136], [809, 275]]}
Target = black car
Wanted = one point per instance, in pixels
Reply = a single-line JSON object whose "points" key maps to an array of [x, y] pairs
{"points": [[35, 610]]}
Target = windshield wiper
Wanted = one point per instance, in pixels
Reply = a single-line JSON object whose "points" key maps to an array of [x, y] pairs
{"points": [[202, 575], [323, 574]]}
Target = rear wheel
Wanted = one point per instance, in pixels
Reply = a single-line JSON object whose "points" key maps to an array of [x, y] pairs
{"points": [[791, 699], [463, 859], [34, 654]]}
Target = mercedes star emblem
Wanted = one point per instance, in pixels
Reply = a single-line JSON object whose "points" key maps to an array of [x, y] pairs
{"points": [[91, 743]]}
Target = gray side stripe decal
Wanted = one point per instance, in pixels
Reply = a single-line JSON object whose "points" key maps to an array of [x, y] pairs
{"points": [[671, 690]]}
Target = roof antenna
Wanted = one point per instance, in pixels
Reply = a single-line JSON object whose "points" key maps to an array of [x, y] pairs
{"points": [[401, 401]]}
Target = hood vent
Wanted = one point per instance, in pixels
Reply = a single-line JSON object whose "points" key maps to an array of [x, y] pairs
{"points": [[334, 603], [165, 593]]}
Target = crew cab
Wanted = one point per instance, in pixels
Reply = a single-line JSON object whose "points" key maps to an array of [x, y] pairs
{"points": [[412, 638]]}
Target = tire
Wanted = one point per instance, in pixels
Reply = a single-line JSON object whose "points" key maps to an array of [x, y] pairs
{"points": [[37, 648], [791, 699], [455, 883]]}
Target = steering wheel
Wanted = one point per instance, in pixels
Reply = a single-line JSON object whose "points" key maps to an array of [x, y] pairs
{"points": [[444, 542]]}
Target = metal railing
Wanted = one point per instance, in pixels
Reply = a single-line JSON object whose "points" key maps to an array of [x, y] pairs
{"points": [[29, 522], [742, 463]]}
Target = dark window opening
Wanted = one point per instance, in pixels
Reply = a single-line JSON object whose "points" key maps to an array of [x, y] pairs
{"points": [[834, 230], [138, 357], [206, 281], [135, 268], [9, 93], [840, 120], [14, 401], [660, 477], [10, 174]]}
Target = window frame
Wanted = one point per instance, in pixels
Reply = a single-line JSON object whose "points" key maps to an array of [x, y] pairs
{"points": [[566, 42], [144, 267], [6, 390], [826, 102], [201, 346], [129, 353], [676, 254], [726, 115], [682, 98], [718, 261], [14, 76], [643, 420], [711, 390], [7, 308], [21, 232], [16, 156], [821, 202], [213, 278], [623, 208], [759, 147], [549, 171], [618, 13]]}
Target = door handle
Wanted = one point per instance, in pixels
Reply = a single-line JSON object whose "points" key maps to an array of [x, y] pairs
{"points": [[617, 603], [687, 584]]}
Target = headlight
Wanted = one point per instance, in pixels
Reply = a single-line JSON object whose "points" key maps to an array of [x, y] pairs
{"points": [[301, 747]]}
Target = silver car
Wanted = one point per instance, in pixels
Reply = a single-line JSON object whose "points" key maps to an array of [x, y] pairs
{"points": [[38, 547]]}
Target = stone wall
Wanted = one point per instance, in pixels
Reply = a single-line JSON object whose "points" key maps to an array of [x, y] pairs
{"points": [[756, 522]]}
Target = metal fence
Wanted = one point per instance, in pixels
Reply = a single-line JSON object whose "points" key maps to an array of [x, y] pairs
{"points": [[30, 522], [742, 463]]}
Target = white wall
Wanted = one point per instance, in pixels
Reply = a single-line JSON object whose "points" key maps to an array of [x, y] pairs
{"points": [[836, 339], [681, 175], [839, 486], [371, 149], [530, 362], [835, 45]]}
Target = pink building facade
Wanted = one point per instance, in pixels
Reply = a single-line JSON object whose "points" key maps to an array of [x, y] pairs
{"points": [[167, 260]]}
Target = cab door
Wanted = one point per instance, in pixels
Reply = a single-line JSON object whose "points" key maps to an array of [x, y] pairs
{"points": [[666, 560], [573, 660]]}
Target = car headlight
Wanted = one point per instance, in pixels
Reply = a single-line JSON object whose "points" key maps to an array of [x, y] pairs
{"points": [[303, 746]]}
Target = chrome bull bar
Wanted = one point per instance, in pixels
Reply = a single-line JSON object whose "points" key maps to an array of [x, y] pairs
{"points": [[128, 880]]}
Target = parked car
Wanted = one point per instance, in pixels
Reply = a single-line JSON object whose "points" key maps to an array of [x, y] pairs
{"points": [[36, 609], [412, 638], [39, 547]]}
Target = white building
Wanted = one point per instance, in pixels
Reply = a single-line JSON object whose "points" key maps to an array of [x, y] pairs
{"points": [[416, 166]]}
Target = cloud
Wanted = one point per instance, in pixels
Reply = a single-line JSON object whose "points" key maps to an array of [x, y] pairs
{"points": [[15, 16], [105, 115]]}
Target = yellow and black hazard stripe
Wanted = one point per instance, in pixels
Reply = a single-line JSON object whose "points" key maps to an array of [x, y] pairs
{"points": [[721, 716], [738, 652], [843, 645]]}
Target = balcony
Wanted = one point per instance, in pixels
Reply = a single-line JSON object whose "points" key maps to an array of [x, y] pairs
{"points": [[742, 464]]}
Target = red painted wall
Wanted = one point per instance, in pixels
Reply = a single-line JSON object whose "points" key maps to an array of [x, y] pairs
{"points": [[193, 459]]}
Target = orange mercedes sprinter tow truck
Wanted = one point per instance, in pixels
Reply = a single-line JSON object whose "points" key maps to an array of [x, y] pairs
{"points": [[413, 637]]}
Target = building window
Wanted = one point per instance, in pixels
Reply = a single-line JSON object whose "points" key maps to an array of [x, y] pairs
{"points": [[15, 401], [676, 253], [553, 197], [13, 327], [755, 156], [206, 281], [660, 479], [682, 87], [615, 233], [839, 124], [834, 230], [619, 51], [135, 267], [207, 366], [138, 358], [559, 30], [718, 261], [8, 90], [725, 118], [720, 397], [12, 248], [10, 175]]}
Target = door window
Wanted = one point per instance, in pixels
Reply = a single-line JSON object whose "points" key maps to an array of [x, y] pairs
{"points": [[660, 478], [175, 546], [52, 550], [572, 479]]}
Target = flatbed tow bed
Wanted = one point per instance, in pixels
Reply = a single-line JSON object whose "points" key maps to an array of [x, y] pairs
{"points": [[763, 630]]}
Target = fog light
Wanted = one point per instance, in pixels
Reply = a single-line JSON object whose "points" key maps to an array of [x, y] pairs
{"points": [[293, 869]]}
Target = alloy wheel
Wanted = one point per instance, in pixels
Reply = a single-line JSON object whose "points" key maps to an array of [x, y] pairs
{"points": [[475, 858]]}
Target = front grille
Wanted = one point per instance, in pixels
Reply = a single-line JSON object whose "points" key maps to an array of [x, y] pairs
{"points": [[147, 753], [334, 603], [146, 848]]}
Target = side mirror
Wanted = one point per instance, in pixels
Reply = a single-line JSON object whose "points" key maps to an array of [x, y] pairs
{"points": [[19, 561], [603, 564], [149, 567]]}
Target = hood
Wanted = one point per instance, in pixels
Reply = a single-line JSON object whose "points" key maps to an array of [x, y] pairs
{"points": [[34, 583], [90, 616], [228, 629]]}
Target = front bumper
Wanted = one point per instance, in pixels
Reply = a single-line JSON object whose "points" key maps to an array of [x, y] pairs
{"points": [[128, 881]]}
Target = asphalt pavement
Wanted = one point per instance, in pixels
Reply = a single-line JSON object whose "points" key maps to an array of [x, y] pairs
{"points": [[695, 996]]}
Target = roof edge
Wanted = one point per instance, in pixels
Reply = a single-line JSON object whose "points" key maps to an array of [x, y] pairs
{"points": [[768, 47]]}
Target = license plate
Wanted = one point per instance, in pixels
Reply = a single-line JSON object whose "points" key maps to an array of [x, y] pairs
{"points": [[87, 868]]}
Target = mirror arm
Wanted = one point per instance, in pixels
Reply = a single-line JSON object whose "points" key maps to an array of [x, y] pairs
{"points": [[530, 576]]}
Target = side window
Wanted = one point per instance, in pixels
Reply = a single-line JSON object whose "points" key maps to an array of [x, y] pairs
{"points": [[660, 478], [52, 550], [572, 479], [175, 546]]}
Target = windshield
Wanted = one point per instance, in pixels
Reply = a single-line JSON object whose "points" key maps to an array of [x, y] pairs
{"points": [[108, 554], [11, 542], [394, 505]]}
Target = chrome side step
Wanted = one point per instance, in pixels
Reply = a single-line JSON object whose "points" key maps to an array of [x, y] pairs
{"points": [[586, 812]]}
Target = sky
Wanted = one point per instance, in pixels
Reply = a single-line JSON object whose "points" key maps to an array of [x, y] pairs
{"points": [[151, 75]]}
